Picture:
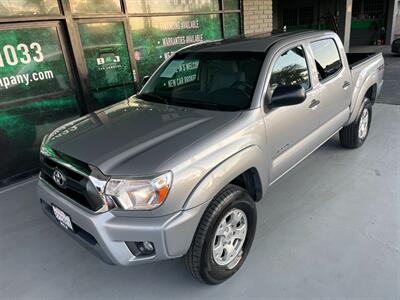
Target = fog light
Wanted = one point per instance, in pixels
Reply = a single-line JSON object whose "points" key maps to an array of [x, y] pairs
{"points": [[141, 248], [146, 248]]}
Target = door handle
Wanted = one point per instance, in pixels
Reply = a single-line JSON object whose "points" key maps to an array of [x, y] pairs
{"points": [[314, 104], [346, 84]]}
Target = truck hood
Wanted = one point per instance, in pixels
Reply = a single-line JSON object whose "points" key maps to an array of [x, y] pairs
{"points": [[135, 137]]}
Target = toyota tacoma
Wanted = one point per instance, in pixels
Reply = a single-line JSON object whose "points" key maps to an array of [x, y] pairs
{"points": [[176, 170]]}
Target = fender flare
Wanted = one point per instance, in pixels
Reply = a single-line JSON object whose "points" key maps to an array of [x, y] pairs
{"points": [[222, 174], [367, 84]]}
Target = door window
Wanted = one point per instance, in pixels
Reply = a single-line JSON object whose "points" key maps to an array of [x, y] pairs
{"points": [[290, 69], [327, 58]]}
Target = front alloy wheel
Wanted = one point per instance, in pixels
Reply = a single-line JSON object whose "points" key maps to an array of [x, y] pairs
{"points": [[229, 239], [223, 237]]}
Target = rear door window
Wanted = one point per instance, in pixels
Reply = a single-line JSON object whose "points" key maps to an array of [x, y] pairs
{"points": [[327, 58]]}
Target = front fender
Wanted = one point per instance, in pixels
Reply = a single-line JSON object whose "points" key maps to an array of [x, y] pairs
{"points": [[225, 172]]}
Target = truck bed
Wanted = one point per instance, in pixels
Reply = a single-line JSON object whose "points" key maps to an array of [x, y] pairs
{"points": [[355, 59]]}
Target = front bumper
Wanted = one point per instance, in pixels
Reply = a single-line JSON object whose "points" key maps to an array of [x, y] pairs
{"points": [[105, 234]]}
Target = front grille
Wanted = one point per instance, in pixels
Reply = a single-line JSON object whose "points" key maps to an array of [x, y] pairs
{"points": [[78, 187]]}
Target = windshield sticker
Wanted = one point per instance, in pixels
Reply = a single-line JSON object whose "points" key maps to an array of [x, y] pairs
{"points": [[172, 68]]}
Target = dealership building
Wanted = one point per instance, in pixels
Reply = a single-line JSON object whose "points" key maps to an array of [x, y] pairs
{"points": [[60, 59]]}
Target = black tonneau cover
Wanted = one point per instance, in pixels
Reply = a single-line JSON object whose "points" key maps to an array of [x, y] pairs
{"points": [[355, 59]]}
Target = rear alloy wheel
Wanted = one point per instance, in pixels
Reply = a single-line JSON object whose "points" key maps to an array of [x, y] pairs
{"points": [[364, 124], [354, 135], [223, 237]]}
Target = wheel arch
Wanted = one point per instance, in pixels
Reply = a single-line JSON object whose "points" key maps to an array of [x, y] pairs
{"points": [[250, 181], [245, 168], [370, 92]]}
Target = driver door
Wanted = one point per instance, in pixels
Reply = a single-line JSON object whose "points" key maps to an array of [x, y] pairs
{"points": [[289, 128]]}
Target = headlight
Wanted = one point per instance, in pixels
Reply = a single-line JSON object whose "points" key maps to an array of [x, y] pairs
{"points": [[139, 194]]}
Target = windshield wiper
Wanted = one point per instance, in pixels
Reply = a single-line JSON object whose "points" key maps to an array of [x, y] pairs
{"points": [[153, 97]]}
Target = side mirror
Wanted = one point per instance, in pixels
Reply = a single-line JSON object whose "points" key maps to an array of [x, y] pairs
{"points": [[286, 95], [145, 79]]}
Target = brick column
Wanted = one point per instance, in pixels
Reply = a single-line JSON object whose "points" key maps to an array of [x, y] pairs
{"points": [[257, 15]]}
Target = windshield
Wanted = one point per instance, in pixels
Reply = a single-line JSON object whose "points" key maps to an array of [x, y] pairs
{"points": [[217, 81]]}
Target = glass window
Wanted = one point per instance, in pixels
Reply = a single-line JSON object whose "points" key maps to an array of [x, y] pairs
{"points": [[95, 6], [232, 25], [107, 60], [216, 81], [14, 8], [231, 4], [327, 58], [171, 6], [289, 69], [157, 38], [31, 63], [22, 128]]}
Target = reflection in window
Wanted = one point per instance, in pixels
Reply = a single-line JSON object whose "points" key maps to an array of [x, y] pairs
{"points": [[218, 81], [156, 38], [28, 8], [170, 6], [31, 64], [231, 4], [290, 69], [107, 60], [232, 25], [22, 127], [95, 6], [327, 58]]}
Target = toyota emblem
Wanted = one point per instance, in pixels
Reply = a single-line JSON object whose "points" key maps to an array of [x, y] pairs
{"points": [[59, 178]]}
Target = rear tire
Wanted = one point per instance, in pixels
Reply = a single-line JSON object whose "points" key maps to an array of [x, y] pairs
{"points": [[229, 223], [354, 135]]}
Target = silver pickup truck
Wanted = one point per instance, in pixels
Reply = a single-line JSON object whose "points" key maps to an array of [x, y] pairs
{"points": [[176, 170]]}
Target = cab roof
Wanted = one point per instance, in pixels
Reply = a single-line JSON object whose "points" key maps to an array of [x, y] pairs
{"points": [[250, 43]]}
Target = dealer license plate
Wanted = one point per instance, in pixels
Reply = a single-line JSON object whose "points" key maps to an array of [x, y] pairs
{"points": [[63, 218]]}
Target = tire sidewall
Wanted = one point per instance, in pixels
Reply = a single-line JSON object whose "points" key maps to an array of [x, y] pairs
{"points": [[211, 270], [366, 105]]}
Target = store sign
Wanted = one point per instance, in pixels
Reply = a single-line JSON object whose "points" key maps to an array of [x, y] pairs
{"points": [[109, 62], [106, 54], [31, 63], [157, 38]]}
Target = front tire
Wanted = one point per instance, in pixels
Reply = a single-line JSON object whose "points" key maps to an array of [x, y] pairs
{"points": [[354, 135], [224, 236]]}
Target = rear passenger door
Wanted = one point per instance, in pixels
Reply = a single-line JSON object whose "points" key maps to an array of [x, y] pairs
{"points": [[334, 81], [289, 128]]}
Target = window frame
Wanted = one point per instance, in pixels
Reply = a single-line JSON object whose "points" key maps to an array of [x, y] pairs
{"points": [[334, 75], [267, 91]]}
